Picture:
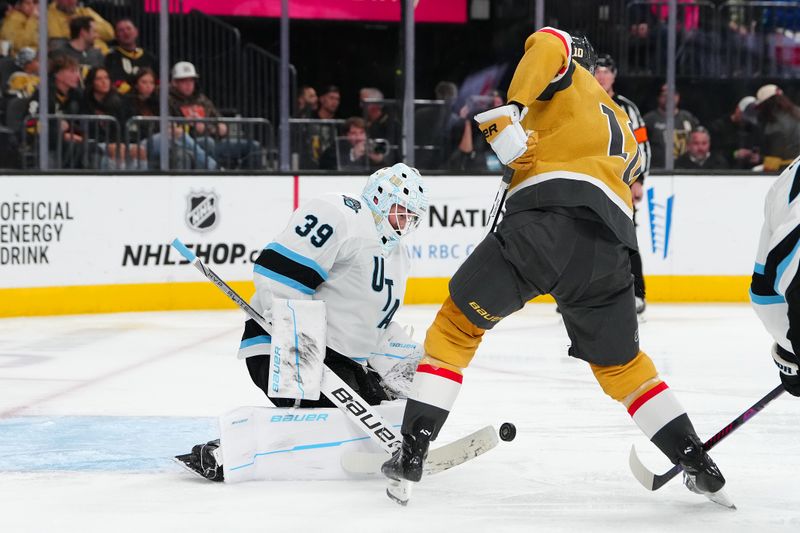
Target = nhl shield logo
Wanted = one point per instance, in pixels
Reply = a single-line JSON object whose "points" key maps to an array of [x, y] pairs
{"points": [[201, 211]]}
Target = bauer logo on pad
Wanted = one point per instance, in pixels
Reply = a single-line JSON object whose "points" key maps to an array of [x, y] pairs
{"points": [[201, 211]]}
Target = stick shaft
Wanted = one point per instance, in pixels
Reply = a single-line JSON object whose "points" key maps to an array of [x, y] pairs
{"points": [[499, 199], [727, 430]]}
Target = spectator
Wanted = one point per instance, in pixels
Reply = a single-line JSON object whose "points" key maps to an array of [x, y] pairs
{"points": [[656, 122], [317, 138], [350, 152], [779, 119], [101, 98], [142, 98], [126, 59], [82, 34], [438, 130], [483, 158], [383, 131], [21, 26], [143, 102], [736, 137], [186, 101], [698, 154], [329, 101], [648, 36], [59, 15], [307, 102], [65, 98], [24, 82]]}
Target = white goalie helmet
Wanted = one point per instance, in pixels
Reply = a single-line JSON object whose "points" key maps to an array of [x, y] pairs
{"points": [[401, 186]]}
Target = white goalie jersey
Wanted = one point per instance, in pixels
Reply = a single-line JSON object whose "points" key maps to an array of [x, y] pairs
{"points": [[331, 251], [775, 289]]}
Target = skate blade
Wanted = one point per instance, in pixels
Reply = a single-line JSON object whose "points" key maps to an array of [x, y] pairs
{"points": [[183, 462], [399, 491], [721, 498]]}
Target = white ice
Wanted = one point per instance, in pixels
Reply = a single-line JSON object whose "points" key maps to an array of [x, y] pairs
{"points": [[566, 471]]}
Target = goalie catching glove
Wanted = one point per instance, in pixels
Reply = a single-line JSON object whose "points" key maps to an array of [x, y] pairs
{"points": [[511, 143], [396, 360]]}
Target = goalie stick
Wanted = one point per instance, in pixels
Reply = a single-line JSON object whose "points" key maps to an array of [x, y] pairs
{"points": [[652, 481], [333, 387], [439, 459]]}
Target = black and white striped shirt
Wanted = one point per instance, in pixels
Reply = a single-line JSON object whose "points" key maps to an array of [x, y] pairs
{"points": [[639, 131]]}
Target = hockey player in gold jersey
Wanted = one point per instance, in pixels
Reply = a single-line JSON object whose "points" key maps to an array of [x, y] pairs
{"points": [[567, 231]]}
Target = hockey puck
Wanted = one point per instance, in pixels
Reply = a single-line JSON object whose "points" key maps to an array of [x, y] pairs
{"points": [[508, 431]]}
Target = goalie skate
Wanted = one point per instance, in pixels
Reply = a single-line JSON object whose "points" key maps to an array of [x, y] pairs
{"points": [[205, 460]]}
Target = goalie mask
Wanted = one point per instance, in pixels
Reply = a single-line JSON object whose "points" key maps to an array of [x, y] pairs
{"points": [[583, 52], [396, 196]]}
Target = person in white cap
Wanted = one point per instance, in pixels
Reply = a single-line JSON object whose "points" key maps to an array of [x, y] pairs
{"points": [[779, 119], [735, 135], [185, 100]]}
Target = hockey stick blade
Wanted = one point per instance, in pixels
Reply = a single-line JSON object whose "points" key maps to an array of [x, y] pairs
{"points": [[652, 481], [439, 459]]}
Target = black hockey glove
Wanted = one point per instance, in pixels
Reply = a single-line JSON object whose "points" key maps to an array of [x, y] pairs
{"points": [[791, 384], [787, 369]]}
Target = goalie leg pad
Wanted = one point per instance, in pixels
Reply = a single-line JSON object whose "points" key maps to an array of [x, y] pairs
{"points": [[298, 348], [294, 444]]}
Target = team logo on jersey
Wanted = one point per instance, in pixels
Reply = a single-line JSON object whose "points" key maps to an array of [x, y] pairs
{"points": [[352, 203], [201, 211], [660, 222]]}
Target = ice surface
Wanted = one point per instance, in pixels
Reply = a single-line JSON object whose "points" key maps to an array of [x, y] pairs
{"points": [[92, 407]]}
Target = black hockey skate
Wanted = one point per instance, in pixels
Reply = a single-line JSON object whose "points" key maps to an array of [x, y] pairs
{"points": [[700, 474], [205, 461], [406, 466]]}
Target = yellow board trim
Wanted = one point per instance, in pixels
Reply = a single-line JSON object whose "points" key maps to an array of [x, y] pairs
{"points": [[81, 299], [118, 298], [659, 289]]}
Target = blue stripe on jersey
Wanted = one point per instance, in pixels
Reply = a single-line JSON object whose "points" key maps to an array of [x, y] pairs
{"points": [[759, 269], [297, 258], [767, 300], [261, 339], [258, 269], [783, 265]]}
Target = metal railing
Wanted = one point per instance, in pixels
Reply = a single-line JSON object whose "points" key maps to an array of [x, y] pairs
{"points": [[645, 52], [208, 144], [310, 139], [760, 39], [77, 142], [98, 142], [320, 144], [732, 39], [259, 82], [214, 47]]}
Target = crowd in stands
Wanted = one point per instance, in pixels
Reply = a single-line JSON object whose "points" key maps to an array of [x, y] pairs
{"points": [[761, 132], [98, 69]]}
